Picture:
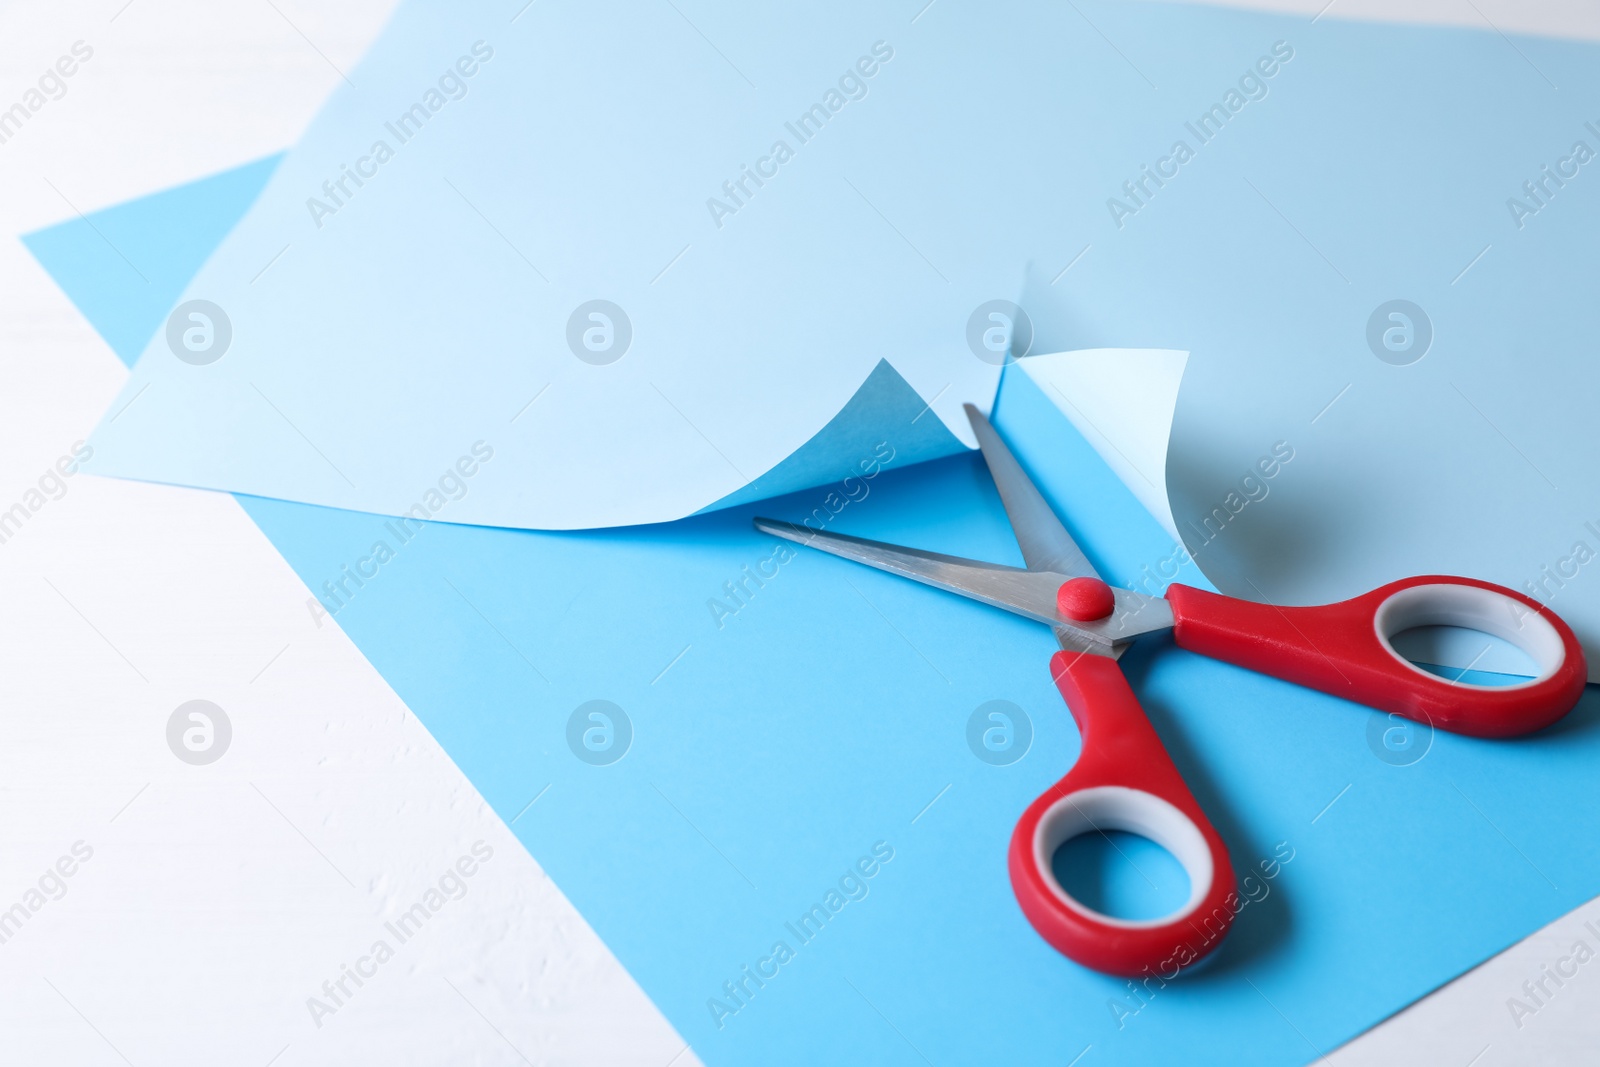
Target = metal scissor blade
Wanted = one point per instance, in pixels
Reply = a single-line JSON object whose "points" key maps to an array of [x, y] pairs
{"points": [[1026, 592], [1029, 593], [1045, 543]]}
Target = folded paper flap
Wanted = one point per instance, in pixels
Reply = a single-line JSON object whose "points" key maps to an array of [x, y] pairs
{"points": [[1122, 401], [885, 421]]}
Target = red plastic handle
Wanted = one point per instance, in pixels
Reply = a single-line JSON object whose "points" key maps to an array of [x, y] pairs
{"points": [[1123, 780], [1344, 649]]}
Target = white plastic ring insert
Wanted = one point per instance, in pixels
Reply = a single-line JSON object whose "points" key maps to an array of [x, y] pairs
{"points": [[1115, 807], [1471, 607]]}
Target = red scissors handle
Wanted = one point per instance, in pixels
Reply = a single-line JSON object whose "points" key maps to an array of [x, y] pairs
{"points": [[1123, 780], [1344, 649]]}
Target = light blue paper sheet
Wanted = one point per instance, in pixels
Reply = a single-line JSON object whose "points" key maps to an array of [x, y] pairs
{"points": [[829, 713], [1025, 151]]}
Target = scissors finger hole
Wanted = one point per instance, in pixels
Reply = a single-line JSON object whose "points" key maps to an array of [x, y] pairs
{"points": [[1453, 652], [1121, 874], [1418, 612], [1134, 811]]}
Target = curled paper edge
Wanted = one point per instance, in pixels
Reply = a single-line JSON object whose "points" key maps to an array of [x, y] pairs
{"points": [[1123, 401]]}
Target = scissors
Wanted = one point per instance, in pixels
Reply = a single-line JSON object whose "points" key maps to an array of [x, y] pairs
{"points": [[1124, 779]]}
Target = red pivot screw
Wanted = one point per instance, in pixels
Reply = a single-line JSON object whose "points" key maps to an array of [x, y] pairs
{"points": [[1085, 599]]}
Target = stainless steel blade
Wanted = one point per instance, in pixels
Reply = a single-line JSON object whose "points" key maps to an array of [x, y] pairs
{"points": [[1045, 543], [1029, 593]]}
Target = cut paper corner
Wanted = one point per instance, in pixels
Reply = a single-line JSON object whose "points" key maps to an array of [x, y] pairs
{"points": [[126, 268], [1123, 401], [858, 434]]}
